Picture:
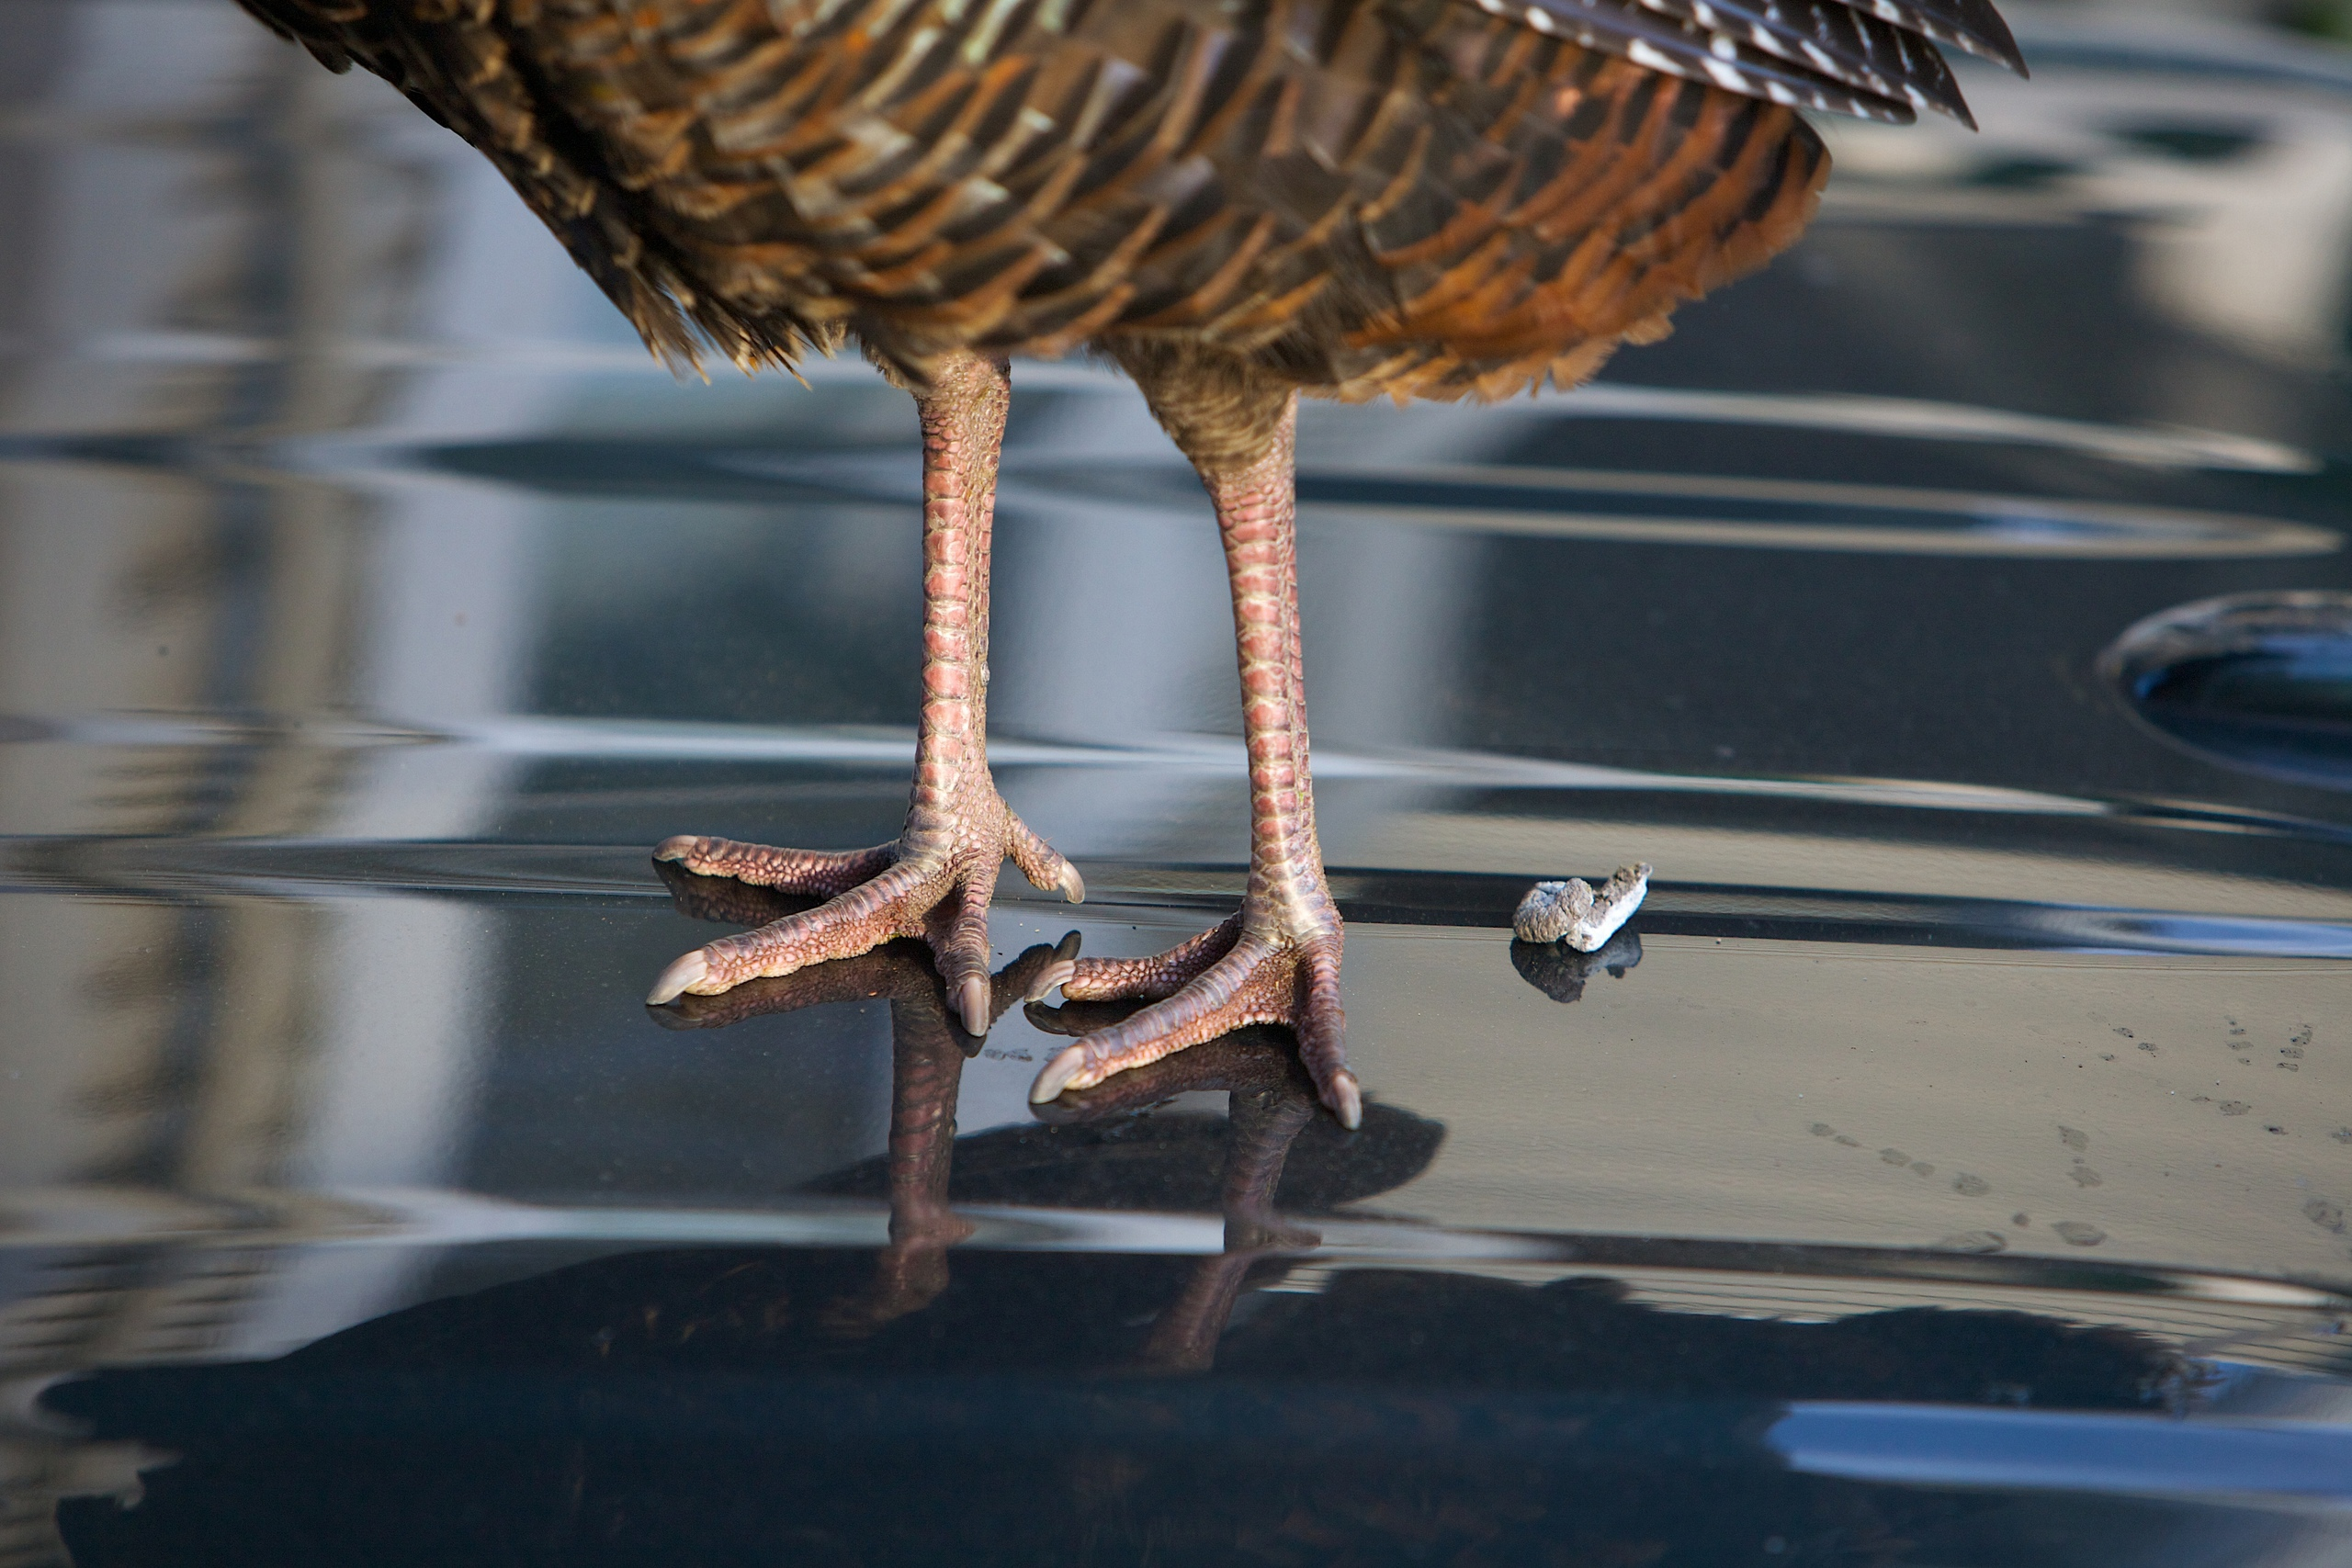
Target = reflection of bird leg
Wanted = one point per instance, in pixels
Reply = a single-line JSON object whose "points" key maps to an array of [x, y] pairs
{"points": [[926, 1070], [928, 1048], [1272, 1102]]}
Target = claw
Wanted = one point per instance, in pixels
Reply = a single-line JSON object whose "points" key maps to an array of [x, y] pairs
{"points": [[677, 846], [1057, 1075], [972, 1000], [1345, 1097], [680, 977], [1073, 886], [1052, 974], [1060, 967]]}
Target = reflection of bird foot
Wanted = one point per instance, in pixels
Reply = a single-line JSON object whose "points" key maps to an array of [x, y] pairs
{"points": [[1576, 913], [934, 882], [1236, 975]]}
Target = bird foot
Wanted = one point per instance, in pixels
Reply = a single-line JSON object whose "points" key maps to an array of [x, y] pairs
{"points": [[934, 882], [1245, 971]]}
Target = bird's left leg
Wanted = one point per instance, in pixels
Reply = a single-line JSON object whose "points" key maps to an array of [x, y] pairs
{"points": [[936, 879], [1277, 959]]}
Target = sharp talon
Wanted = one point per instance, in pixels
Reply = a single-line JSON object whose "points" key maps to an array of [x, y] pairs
{"points": [[1052, 974], [1345, 1097], [679, 978], [1057, 1073], [678, 846], [1073, 886], [972, 1001]]}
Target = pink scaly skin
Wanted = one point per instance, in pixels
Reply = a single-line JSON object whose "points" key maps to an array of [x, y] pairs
{"points": [[1277, 959], [934, 881]]}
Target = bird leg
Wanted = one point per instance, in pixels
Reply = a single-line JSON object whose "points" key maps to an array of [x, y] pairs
{"points": [[935, 879], [1277, 959]]}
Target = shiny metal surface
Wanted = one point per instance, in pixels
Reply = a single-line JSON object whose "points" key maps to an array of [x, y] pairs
{"points": [[369, 604]]}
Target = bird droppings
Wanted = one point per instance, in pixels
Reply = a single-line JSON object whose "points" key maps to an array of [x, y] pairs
{"points": [[2326, 1215], [1973, 1241], [2075, 1233], [1575, 912], [2074, 1138], [1969, 1186]]}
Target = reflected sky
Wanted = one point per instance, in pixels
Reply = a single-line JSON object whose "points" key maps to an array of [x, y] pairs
{"points": [[369, 604]]}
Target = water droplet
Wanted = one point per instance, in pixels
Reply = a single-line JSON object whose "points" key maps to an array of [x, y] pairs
{"points": [[2075, 1232], [2074, 1138], [1895, 1157], [2258, 682], [1969, 1186], [2326, 1215]]}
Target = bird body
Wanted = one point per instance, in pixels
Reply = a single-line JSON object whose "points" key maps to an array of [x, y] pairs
{"points": [[1409, 197], [1236, 200]]}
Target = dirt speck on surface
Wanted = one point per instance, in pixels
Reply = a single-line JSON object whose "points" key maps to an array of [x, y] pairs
{"points": [[1973, 1241], [2075, 1233], [2074, 1138]]}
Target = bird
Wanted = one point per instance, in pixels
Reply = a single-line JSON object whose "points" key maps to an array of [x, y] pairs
{"points": [[1236, 202]]}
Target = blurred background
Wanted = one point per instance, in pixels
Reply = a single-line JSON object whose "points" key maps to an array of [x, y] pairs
{"points": [[370, 603]]}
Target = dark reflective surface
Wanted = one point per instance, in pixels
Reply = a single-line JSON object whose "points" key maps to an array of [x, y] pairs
{"points": [[1950, 1165]]}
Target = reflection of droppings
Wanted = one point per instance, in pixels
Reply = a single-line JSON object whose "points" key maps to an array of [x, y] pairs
{"points": [[2235, 1107], [2074, 1138], [1969, 1186], [1895, 1157], [1973, 1241], [2075, 1232], [2326, 1215], [2083, 1176], [1923, 1167]]}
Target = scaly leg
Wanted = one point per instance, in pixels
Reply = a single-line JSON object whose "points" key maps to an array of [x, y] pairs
{"points": [[935, 880], [1277, 960]]}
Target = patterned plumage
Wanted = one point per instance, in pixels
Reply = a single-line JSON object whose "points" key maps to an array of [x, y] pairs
{"points": [[1430, 197]]}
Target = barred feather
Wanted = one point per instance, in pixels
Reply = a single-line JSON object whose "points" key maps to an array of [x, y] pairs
{"points": [[1364, 198]]}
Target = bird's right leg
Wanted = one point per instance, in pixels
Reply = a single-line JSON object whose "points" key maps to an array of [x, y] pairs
{"points": [[935, 879]]}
